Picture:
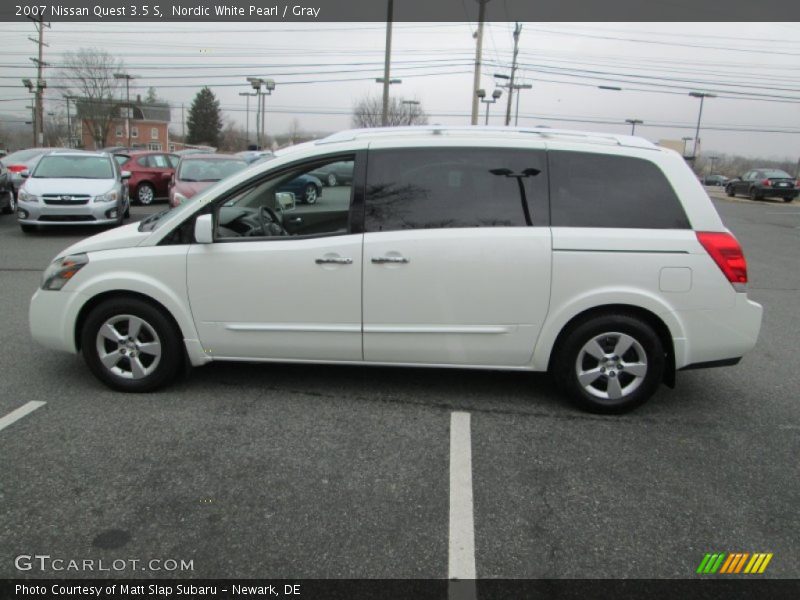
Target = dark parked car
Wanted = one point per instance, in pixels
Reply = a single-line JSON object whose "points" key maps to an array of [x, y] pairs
{"points": [[306, 188], [151, 173], [716, 180], [6, 195], [338, 173], [763, 183]]}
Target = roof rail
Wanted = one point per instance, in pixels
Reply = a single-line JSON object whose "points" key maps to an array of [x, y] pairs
{"points": [[543, 132]]}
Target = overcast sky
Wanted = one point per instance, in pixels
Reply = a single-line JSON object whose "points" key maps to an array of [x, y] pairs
{"points": [[754, 68]]}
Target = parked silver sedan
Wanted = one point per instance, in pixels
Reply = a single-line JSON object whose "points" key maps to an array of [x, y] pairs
{"points": [[73, 188]]}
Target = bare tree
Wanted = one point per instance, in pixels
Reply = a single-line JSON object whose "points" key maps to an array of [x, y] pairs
{"points": [[368, 112], [295, 132], [88, 74]]}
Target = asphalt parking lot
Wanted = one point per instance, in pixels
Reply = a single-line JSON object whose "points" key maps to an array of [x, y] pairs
{"points": [[345, 472]]}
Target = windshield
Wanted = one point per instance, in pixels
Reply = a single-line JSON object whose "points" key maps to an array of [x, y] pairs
{"points": [[73, 167], [199, 169]]}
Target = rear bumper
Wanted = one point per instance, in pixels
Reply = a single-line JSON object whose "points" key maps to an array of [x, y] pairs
{"points": [[721, 335]]}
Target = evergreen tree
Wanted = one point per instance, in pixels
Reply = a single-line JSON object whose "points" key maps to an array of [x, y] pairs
{"points": [[205, 121]]}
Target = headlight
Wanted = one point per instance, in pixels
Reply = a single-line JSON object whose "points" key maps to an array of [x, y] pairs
{"points": [[62, 270], [179, 198], [107, 197], [24, 196]]}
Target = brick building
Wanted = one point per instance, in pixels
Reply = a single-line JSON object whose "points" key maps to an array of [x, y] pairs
{"points": [[149, 124]]}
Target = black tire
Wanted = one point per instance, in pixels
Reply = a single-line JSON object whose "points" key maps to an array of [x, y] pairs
{"points": [[127, 214], [310, 194], [754, 195], [28, 228], [330, 180], [157, 328], [608, 330], [788, 199], [145, 194], [729, 191], [11, 206]]}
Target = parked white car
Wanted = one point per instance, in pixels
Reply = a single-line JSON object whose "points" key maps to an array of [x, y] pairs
{"points": [[599, 258], [73, 188]]}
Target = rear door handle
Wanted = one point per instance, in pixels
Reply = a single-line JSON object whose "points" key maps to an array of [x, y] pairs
{"points": [[380, 260], [334, 260]]}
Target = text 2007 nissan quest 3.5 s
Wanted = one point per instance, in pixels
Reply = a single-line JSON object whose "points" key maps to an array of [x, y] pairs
{"points": [[598, 258]]}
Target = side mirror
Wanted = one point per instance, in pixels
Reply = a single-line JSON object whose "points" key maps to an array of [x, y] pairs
{"points": [[25, 174], [285, 201], [126, 175], [204, 229]]}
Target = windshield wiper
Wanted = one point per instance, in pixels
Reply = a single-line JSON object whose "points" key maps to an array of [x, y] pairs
{"points": [[152, 218]]}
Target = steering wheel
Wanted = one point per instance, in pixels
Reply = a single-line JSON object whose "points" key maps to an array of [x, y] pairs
{"points": [[270, 222]]}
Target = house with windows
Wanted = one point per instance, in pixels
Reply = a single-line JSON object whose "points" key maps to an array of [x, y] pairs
{"points": [[103, 124]]}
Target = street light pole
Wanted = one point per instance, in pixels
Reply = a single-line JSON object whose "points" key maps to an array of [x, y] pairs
{"points": [[634, 123], [247, 113], [481, 94], [702, 96]]}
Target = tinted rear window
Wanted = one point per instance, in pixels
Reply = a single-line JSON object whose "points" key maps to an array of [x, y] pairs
{"points": [[440, 188], [600, 190]]}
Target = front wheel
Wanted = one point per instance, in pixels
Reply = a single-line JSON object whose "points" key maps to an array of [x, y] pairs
{"points": [[610, 364], [729, 191], [310, 194], [754, 195], [131, 346]]}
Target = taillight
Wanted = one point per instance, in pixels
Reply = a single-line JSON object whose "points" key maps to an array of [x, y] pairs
{"points": [[17, 168], [727, 253], [766, 183], [797, 183]]}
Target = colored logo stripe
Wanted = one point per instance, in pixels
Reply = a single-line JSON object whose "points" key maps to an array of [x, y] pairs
{"points": [[734, 562]]}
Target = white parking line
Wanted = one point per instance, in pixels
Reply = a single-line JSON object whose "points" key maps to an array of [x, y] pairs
{"points": [[461, 560], [16, 415]]}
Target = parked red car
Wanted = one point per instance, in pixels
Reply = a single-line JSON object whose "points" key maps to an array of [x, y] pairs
{"points": [[151, 173], [196, 172]]}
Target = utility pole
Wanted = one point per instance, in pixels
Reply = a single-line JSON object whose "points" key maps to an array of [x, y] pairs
{"points": [[476, 81], [128, 110], [517, 31], [183, 126], [386, 64], [69, 123], [38, 119]]}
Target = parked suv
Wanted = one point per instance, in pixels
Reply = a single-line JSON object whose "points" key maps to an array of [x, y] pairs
{"points": [[598, 258], [151, 173], [73, 188], [764, 183]]}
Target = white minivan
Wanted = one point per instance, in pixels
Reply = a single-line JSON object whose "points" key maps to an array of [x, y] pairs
{"points": [[599, 258]]}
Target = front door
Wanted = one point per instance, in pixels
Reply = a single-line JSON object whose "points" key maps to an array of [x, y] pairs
{"points": [[456, 256], [279, 283]]}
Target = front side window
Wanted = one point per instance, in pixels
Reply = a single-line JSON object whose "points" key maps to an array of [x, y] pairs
{"points": [[294, 202], [436, 188], [603, 190]]}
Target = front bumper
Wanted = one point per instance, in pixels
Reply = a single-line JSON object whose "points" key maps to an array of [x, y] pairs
{"points": [[52, 316], [91, 213]]}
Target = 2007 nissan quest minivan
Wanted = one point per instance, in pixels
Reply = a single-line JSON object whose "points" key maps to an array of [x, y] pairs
{"points": [[598, 258]]}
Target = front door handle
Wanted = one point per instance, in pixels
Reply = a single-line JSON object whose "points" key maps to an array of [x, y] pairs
{"points": [[334, 260], [380, 260]]}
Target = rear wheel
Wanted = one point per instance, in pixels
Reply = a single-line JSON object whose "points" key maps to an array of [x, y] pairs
{"points": [[11, 207], [331, 180], [131, 346], [610, 364], [145, 194], [729, 191]]}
